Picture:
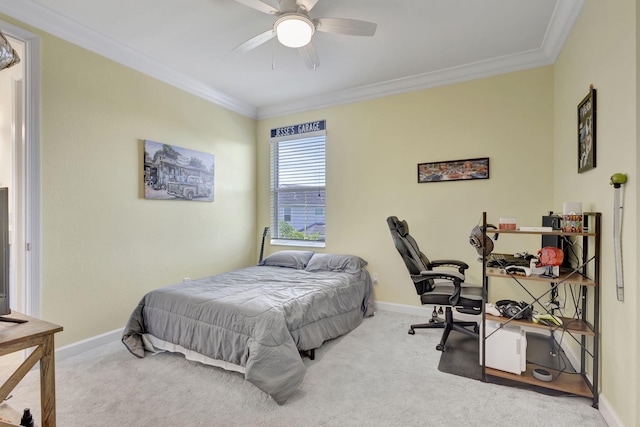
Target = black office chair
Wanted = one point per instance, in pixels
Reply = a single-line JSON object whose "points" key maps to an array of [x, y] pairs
{"points": [[437, 286]]}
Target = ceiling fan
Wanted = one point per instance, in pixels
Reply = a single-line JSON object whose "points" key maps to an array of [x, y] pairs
{"points": [[294, 28]]}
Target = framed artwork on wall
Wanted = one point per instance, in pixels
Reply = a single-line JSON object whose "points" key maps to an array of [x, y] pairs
{"points": [[176, 173], [587, 132], [454, 170]]}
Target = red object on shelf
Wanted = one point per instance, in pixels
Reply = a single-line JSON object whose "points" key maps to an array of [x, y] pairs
{"points": [[550, 256]]}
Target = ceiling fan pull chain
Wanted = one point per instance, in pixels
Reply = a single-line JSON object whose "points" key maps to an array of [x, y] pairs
{"points": [[273, 54]]}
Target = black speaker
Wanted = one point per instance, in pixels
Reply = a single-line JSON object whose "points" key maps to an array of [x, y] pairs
{"points": [[554, 221]]}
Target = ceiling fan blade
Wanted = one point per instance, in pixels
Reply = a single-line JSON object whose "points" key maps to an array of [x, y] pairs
{"points": [[256, 41], [350, 27], [258, 5], [307, 4], [310, 56]]}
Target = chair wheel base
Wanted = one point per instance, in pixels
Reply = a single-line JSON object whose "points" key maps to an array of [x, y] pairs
{"points": [[440, 347], [412, 331]]}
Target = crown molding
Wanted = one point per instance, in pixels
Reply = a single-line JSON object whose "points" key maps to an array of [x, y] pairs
{"points": [[561, 23], [488, 68], [560, 26], [71, 31]]}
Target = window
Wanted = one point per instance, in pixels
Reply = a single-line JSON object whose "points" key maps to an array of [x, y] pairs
{"points": [[298, 187]]}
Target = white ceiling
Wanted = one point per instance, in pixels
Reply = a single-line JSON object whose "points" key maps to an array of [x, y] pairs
{"points": [[418, 44]]}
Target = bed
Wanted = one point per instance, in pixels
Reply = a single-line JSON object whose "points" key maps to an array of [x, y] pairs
{"points": [[257, 320]]}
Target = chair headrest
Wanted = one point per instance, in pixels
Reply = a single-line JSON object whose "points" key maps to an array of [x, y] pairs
{"points": [[401, 227]]}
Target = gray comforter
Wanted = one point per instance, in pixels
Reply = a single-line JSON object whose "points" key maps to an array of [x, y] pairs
{"points": [[257, 317]]}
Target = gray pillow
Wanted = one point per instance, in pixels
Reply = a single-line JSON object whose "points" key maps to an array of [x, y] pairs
{"points": [[336, 262], [289, 259]]}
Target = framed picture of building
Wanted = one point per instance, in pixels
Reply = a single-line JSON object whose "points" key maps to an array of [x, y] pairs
{"points": [[587, 132], [454, 170], [175, 173]]}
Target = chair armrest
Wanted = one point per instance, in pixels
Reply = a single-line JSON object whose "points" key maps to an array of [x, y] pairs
{"points": [[453, 276], [461, 266]]}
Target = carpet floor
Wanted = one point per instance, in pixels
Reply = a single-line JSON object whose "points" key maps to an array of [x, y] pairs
{"points": [[377, 375]]}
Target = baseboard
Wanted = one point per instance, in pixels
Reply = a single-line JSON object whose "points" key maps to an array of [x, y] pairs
{"points": [[401, 308], [89, 344], [606, 410]]}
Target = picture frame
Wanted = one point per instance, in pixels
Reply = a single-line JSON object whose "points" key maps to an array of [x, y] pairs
{"points": [[454, 170], [176, 173], [587, 132]]}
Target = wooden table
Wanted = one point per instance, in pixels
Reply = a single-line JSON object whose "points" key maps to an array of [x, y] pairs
{"points": [[20, 336]]}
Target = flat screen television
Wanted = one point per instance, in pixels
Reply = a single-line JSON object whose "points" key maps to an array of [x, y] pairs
{"points": [[5, 282]]}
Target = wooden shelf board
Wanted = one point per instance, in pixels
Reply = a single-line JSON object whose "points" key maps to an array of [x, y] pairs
{"points": [[572, 325], [572, 383], [573, 278]]}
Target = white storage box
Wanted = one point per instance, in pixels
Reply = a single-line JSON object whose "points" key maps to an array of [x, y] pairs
{"points": [[506, 348]]}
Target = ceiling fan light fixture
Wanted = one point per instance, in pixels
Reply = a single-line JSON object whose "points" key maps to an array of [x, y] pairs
{"points": [[294, 30]]}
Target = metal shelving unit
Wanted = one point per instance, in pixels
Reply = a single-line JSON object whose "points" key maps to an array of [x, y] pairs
{"points": [[584, 324]]}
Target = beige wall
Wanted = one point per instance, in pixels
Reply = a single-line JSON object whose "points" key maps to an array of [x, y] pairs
{"points": [[373, 149], [103, 244], [602, 50]]}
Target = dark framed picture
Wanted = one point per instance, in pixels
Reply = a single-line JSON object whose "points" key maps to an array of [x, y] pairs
{"points": [[587, 132], [454, 170]]}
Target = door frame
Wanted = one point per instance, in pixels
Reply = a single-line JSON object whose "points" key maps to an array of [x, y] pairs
{"points": [[31, 175]]}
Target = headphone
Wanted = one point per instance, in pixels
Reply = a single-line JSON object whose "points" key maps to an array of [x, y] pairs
{"points": [[475, 239], [513, 309]]}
